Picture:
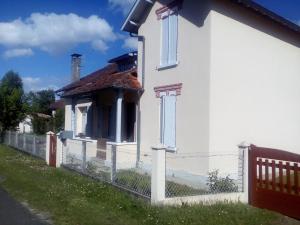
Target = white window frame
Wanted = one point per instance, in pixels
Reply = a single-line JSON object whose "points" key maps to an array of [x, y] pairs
{"points": [[168, 64], [78, 116]]}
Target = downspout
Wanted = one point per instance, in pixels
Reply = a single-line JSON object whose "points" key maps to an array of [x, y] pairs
{"points": [[138, 135]]}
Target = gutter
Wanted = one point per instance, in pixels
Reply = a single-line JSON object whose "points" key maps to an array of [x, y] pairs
{"points": [[138, 135]]}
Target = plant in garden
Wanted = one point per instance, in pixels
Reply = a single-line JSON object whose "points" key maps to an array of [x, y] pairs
{"points": [[218, 184]]}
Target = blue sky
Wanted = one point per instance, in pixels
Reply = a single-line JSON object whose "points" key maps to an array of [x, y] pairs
{"points": [[38, 36]]}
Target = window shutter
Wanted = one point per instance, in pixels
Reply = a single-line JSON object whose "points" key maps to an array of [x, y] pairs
{"points": [[165, 41], [173, 36], [169, 135]]}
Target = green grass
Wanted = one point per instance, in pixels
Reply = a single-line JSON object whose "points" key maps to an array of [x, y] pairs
{"points": [[76, 200]]}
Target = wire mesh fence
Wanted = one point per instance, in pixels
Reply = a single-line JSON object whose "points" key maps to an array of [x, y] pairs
{"points": [[187, 174], [29, 143], [114, 164]]}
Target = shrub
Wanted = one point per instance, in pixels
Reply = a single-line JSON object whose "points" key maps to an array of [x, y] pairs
{"points": [[218, 184]]}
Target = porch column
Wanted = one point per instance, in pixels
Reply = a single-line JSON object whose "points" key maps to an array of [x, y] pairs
{"points": [[119, 117]]}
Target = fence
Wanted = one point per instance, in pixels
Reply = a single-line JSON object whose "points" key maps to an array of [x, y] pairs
{"points": [[116, 164], [29, 143]]}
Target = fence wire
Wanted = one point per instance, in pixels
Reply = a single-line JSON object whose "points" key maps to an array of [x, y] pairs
{"points": [[187, 174], [113, 164], [29, 143]]}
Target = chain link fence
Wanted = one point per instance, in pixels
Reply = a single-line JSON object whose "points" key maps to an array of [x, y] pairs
{"points": [[114, 164], [185, 176], [29, 143]]}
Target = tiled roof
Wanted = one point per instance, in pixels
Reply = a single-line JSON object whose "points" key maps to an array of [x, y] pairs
{"points": [[108, 77]]}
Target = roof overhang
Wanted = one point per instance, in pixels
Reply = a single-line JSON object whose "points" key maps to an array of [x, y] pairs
{"points": [[141, 9], [137, 13]]}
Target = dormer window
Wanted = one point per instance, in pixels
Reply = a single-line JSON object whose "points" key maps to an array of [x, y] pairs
{"points": [[169, 36]]}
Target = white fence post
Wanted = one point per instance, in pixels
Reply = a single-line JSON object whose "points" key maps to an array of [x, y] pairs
{"points": [[158, 177], [83, 155], [9, 138], [16, 145], [113, 163], [59, 151], [48, 146], [34, 145], [24, 142], [243, 173]]}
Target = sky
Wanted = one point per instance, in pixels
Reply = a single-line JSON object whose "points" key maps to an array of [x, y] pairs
{"points": [[37, 37]]}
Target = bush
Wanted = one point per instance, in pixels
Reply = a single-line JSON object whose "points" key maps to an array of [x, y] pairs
{"points": [[218, 184]]}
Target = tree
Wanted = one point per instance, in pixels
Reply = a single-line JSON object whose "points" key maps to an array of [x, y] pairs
{"points": [[39, 103], [12, 110]]}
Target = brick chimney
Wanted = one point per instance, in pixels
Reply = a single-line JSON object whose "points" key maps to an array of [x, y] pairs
{"points": [[75, 67]]}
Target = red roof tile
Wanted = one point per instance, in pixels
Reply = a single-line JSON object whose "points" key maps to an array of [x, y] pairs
{"points": [[108, 77]]}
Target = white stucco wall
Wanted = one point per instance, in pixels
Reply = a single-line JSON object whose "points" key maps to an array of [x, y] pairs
{"points": [[254, 85], [193, 72]]}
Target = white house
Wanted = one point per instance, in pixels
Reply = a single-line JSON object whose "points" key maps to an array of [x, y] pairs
{"points": [[215, 73], [210, 74]]}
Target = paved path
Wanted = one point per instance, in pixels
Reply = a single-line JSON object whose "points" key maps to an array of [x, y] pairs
{"points": [[14, 213]]}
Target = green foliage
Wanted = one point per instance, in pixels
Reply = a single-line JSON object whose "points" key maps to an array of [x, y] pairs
{"points": [[72, 199], [39, 102], [12, 110], [59, 120], [218, 184]]}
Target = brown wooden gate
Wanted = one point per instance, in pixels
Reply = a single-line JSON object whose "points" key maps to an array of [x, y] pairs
{"points": [[274, 180], [52, 154]]}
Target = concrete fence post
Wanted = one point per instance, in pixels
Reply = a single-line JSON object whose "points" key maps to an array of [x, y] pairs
{"points": [[113, 163], [158, 177], [9, 137], [83, 156], [24, 142], [243, 173], [34, 145], [48, 139], [59, 150], [16, 144]]}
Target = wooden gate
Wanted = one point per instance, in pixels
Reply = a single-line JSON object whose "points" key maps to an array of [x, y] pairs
{"points": [[52, 153], [274, 180]]}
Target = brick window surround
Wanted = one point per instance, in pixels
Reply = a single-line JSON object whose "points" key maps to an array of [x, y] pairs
{"points": [[167, 89], [169, 7]]}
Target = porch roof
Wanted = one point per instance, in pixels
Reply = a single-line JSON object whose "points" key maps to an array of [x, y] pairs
{"points": [[108, 77]]}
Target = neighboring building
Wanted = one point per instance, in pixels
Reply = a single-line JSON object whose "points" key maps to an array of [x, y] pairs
{"points": [[101, 107], [25, 126], [215, 73]]}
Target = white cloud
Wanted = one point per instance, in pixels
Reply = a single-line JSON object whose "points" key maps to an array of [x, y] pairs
{"points": [[99, 45], [54, 32], [130, 43], [17, 52], [39, 83], [122, 5]]}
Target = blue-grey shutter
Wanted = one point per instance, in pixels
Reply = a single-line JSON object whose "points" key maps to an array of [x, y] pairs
{"points": [[165, 41], [169, 136], [173, 36]]}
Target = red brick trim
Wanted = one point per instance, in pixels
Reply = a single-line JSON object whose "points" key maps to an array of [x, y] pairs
{"points": [[168, 88], [169, 7]]}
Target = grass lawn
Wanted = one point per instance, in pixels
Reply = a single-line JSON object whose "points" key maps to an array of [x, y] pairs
{"points": [[76, 200]]}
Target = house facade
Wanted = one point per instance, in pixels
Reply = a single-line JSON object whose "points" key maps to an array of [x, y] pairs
{"points": [[214, 73]]}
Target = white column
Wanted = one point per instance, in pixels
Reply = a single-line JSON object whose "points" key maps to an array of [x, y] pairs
{"points": [[243, 173], [119, 117], [59, 151], [49, 134], [158, 176]]}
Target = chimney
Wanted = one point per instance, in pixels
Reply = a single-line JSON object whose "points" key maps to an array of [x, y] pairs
{"points": [[75, 67]]}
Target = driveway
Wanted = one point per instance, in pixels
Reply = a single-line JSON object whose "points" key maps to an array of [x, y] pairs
{"points": [[14, 213]]}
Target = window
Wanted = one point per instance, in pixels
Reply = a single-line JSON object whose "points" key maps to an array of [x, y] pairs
{"points": [[169, 34], [168, 120]]}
